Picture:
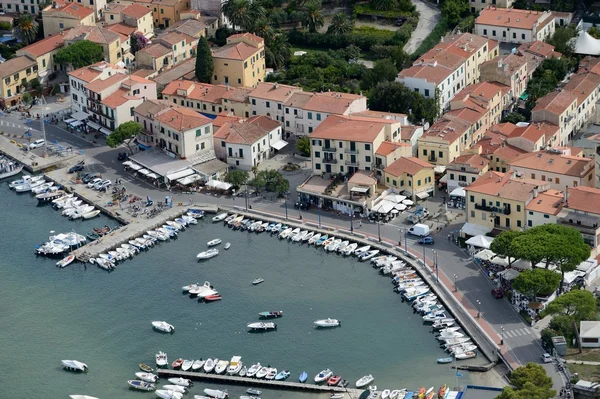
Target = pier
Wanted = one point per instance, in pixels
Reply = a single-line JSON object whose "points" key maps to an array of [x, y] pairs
{"points": [[268, 384]]}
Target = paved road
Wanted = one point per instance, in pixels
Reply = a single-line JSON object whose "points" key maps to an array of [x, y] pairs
{"points": [[520, 342], [429, 17]]}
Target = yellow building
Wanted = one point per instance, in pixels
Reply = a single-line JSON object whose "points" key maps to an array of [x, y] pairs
{"points": [[498, 201], [209, 99], [135, 16], [44, 51], [14, 75], [445, 140], [61, 15], [411, 175], [114, 45], [167, 12], [241, 62], [465, 169]]}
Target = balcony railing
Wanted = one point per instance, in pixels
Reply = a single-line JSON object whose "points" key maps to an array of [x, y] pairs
{"points": [[329, 160], [432, 158], [350, 151], [487, 208], [329, 149], [352, 163]]}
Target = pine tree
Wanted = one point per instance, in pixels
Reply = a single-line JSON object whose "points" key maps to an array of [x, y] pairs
{"points": [[204, 64]]}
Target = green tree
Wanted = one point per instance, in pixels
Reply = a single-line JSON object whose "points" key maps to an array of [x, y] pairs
{"points": [[204, 61], [263, 28], [395, 97], [278, 51], [258, 183], [312, 16], [400, 57], [514, 117], [340, 24], [384, 5], [562, 40], [237, 178], [578, 304], [36, 87], [502, 245], [303, 146], [27, 98], [537, 281], [529, 382], [383, 71], [5, 26], [454, 10], [594, 32], [26, 28], [79, 54], [124, 134]]}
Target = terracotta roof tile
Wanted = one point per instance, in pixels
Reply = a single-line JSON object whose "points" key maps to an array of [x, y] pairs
{"points": [[206, 92], [332, 102], [76, 10], [43, 46], [235, 51], [539, 48], [554, 163], [246, 132], [549, 202], [92, 33], [151, 107], [136, 11], [15, 65], [91, 72], [409, 165], [246, 35], [475, 161], [122, 29], [387, 147], [447, 129], [505, 185], [585, 199], [156, 50], [182, 119], [583, 85], [511, 18], [118, 98], [556, 102], [338, 127], [99, 85], [273, 91]]}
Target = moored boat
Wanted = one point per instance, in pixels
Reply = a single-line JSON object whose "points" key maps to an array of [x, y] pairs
{"points": [[215, 393], [327, 323], [65, 261], [364, 381], [161, 359], [187, 364], [303, 377], [141, 385], [258, 281], [214, 242], [163, 326], [323, 376], [262, 326], [211, 253], [219, 217], [147, 377], [166, 394], [184, 382], [145, 367], [221, 366], [271, 315], [74, 365]]}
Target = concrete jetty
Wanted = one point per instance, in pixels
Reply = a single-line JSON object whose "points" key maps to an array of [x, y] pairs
{"points": [[268, 384], [31, 161]]}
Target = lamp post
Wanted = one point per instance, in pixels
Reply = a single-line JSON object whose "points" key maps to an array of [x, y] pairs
{"points": [[501, 335], [246, 196], [351, 220], [424, 263], [437, 276], [455, 277], [379, 230], [286, 214], [400, 237], [478, 309]]}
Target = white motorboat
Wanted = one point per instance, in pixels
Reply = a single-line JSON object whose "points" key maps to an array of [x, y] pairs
{"points": [[465, 355], [211, 253], [262, 373], [298, 237], [165, 394], [255, 368], [183, 382], [176, 225], [308, 236], [294, 232], [42, 188], [214, 242], [449, 329], [189, 219], [314, 238], [462, 348], [187, 364], [175, 388], [163, 326], [361, 250], [385, 394], [243, 371], [257, 281], [364, 381], [227, 245], [271, 374], [220, 217], [286, 233], [350, 249], [368, 255], [210, 364], [327, 323], [74, 365], [141, 385], [25, 179], [221, 366], [65, 261], [235, 365], [198, 364], [215, 393], [451, 335], [203, 290], [343, 246], [323, 376], [161, 359], [92, 214], [456, 341], [148, 377], [333, 245], [262, 326]]}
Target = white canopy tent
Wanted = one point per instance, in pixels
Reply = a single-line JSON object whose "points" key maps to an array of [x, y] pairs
{"points": [[509, 274], [180, 174], [80, 115], [384, 206], [397, 198], [279, 144], [153, 175], [586, 44], [94, 125], [212, 183], [127, 163], [472, 229], [135, 166], [189, 179], [497, 260], [486, 254], [408, 202], [223, 186], [144, 171], [480, 241], [521, 264], [458, 192], [400, 207]]}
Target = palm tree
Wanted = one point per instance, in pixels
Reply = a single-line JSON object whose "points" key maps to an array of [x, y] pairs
{"points": [[242, 13], [383, 5], [26, 28], [340, 24], [312, 17], [263, 28], [277, 51]]}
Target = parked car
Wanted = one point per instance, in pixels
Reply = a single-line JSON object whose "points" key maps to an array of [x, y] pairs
{"points": [[93, 182], [426, 241], [546, 358], [122, 156], [37, 144], [102, 184], [77, 167], [88, 177], [497, 293]]}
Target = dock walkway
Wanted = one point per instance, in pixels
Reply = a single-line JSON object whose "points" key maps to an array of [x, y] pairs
{"points": [[269, 384]]}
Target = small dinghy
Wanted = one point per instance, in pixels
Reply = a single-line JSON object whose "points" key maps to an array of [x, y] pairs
{"points": [[324, 375], [220, 217], [210, 364], [175, 388], [164, 394], [214, 242], [66, 261], [271, 315], [215, 393], [197, 365], [282, 375], [163, 326], [187, 364], [364, 381], [141, 385], [243, 371], [182, 382], [145, 367], [303, 377], [385, 394], [227, 245], [148, 377], [253, 392], [327, 323], [74, 365], [258, 281], [444, 360]]}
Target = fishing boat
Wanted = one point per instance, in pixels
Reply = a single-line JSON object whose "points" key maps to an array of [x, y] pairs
{"points": [[283, 375], [65, 261], [163, 326], [145, 367], [364, 381], [258, 281], [9, 169], [235, 365], [262, 326], [141, 385], [303, 377], [197, 365], [25, 179], [221, 366], [183, 382], [214, 242], [227, 245], [327, 323], [148, 377], [187, 364], [285, 233], [210, 364], [465, 355], [74, 365], [271, 374], [342, 246], [49, 195], [444, 360], [161, 359], [220, 217], [271, 315], [276, 228], [215, 393], [211, 253], [324, 375], [294, 232], [166, 394], [327, 242], [255, 368]]}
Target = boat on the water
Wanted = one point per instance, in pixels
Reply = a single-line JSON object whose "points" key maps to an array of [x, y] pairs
{"points": [[444, 360], [65, 261], [303, 377], [165, 394], [235, 365], [327, 323], [334, 380], [145, 367], [187, 364], [161, 359], [197, 365], [465, 355], [210, 364], [148, 377], [364, 381], [227, 245], [262, 326], [255, 368], [211, 253], [282, 375], [74, 365], [175, 388], [221, 366], [243, 371], [141, 385], [220, 217], [271, 374], [271, 315], [215, 393], [177, 363], [184, 382], [214, 242], [323, 376], [258, 281], [163, 326], [253, 392]]}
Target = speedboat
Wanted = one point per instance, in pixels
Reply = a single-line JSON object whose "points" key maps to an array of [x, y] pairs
{"points": [[183, 382], [165, 394], [174, 388], [327, 323], [258, 281], [323, 376], [148, 377], [298, 237], [25, 179], [262, 373], [285, 233], [282, 375], [187, 364], [214, 242], [141, 385], [349, 249], [91, 214], [211, 253], [314, 238], [243, 371], [66, 261], [161, 359], [197, 365], [465, 355], [74, 365], [271, 315], [262, 326], [255, 368], [364, 381], [221, 366], [253, 392], [321, 240], [303, 377], [334, 380], [163, 326], [220, 217], [368, 255], [215, 393], [308, 236], [456, 341], [235, 365], [202, 290], [271, 374], [360, 250], [210, 364], [195, 213]]}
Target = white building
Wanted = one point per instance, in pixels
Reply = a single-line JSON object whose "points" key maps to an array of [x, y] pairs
{"points": [[544, 208], [515, 26], [305, 111], [584, 86], [183, 132], [246, 143], [269, 98], [82, 76]]}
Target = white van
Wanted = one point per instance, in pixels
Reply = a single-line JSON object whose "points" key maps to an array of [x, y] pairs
{"points": [[419, 230]]}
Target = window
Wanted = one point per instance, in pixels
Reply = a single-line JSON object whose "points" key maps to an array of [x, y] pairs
{"points": [[424, 152], [162, 10], [317, 154], [230, 151], [514, 37], [367, 147], [518, 223], [507, 223], [503, 32], [318, 117], [253, 100], [441, 154], [318, 166], [61, 25], [546, 216], [529, 223], [419, 182], [523, 36], [451, 176], [367, 158], [198, 132], [533, 175], [267, 104], [493, 33], [426, 92], [483, 216], [310, 115], [485, 32], [310, 129], [112, 17], [471, 198]]}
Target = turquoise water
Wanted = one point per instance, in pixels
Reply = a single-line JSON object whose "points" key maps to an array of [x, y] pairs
{"points": [[103, 319]]}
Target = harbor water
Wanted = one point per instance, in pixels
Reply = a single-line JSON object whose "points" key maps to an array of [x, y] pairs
{"points": [[103, 319]]}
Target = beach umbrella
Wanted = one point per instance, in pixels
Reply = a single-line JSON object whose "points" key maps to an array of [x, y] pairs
{"points": [[395, 198], [408, 202], [395, 211], [400, 207]]}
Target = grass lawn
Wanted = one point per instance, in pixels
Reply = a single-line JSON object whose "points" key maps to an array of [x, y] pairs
{"points": [[309, 50], [589, 354], [586, 372]]}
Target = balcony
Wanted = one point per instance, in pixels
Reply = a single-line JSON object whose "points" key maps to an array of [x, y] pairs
{"points": [[432, 158], [350, 151], [330, 160], [353, 163], [487, 208], [329, 149]]}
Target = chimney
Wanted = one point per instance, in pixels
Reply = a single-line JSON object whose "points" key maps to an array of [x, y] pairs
{"points": [[567, 196], [508, 19], [535, 192]]}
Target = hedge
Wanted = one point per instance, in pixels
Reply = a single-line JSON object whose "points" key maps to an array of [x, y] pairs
{"points": [[366, 9], [433, 38]]}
